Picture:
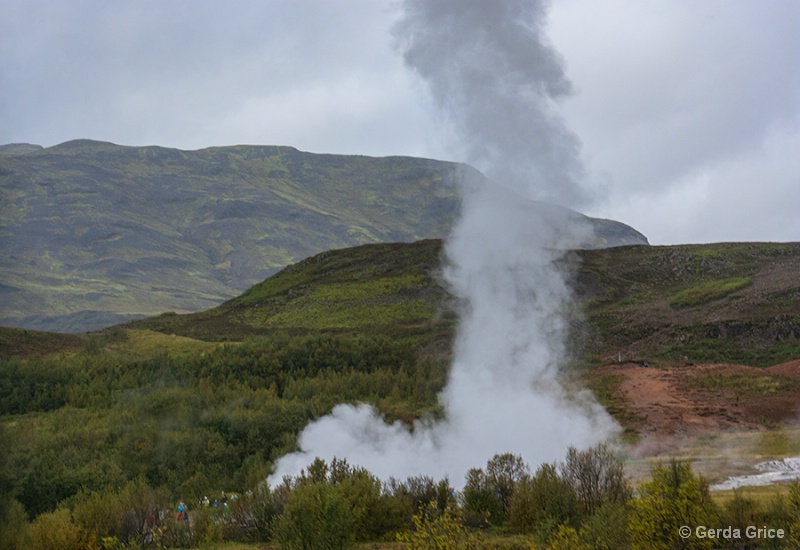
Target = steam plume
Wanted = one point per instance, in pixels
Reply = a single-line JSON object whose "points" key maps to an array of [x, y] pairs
{"points": [[495, 80]]}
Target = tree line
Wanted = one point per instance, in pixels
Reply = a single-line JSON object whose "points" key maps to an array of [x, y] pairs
{"points": [[582, 503]]}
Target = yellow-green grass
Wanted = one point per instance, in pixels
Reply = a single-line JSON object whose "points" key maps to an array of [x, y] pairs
{"points": [[145, 344], [708, 291], [761, 495]]}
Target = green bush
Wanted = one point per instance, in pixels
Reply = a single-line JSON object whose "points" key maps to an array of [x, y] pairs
{"points": [[14, 528], [207, 526], [544, 502], [403, 499], [55, 531], [597, 475], [98, 515], [435, 529], [252, 515], [316, 516], [566, 538], [488, 494], [673, 498], [482, 506], [607, 527], [362, 491]]}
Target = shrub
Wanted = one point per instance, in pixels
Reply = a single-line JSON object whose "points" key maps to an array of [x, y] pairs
{"points": [[481, 505], [172, 533], [607, 527], [14, 528], [542, 503], [503, 473], [316, 516], [98, 515], [437, 529], [252, 516], [362, 492], [597, 475], [488, 494], [141, 507], [674, 497], [206, 526], [55, 531], [566, 538], [416, 492]]}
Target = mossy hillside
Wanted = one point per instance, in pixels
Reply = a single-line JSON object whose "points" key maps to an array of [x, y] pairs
{"points": [[708, 291], [148, 229], [23, 343], [93, 226], [727, 302], [386, 300], [385, 288], [626, 294]]}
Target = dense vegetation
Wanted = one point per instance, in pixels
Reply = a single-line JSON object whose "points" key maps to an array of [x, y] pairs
{"points": [[582, 503], [191, 423], [100, 430]]}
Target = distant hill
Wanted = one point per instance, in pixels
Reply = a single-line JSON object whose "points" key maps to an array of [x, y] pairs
{"points": [[730, 302], [19, 148], [92, 233]]}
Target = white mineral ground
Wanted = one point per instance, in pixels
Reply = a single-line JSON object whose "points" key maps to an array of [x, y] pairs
{"points": [[772, 471]]}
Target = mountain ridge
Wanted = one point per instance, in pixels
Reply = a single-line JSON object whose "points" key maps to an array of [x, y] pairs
{"points": [[94, 226]]}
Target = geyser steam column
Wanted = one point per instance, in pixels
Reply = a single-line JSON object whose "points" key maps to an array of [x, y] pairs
{"points": [[495, 81]]}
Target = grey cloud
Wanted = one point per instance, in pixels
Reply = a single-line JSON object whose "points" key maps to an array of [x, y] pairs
{"points": [[664, 93], [172, 71]]}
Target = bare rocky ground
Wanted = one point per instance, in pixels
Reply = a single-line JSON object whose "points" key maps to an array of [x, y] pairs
{"points": [[720, 416]]}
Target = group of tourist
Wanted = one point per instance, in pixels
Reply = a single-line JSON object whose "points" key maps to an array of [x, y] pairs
{"points": [[222, 502]]}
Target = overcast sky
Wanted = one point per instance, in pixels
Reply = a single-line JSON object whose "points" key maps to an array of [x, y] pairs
{"points": [[688, 112]]}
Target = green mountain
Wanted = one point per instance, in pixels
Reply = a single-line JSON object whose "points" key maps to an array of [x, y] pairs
{"points": [[93, 233]]}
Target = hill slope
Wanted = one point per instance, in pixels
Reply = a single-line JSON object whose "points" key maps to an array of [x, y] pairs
{"points": [[710, 318], [92, 230], [732, 302]]}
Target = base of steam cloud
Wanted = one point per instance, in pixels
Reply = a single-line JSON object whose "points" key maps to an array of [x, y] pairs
{"points": [[450, 447]]}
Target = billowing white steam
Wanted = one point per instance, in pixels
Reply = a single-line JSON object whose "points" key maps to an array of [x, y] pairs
{"points": [[493, 77]]}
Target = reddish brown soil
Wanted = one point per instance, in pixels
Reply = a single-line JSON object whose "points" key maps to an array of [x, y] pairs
{"points": [[791, 369], [664, 405]]}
